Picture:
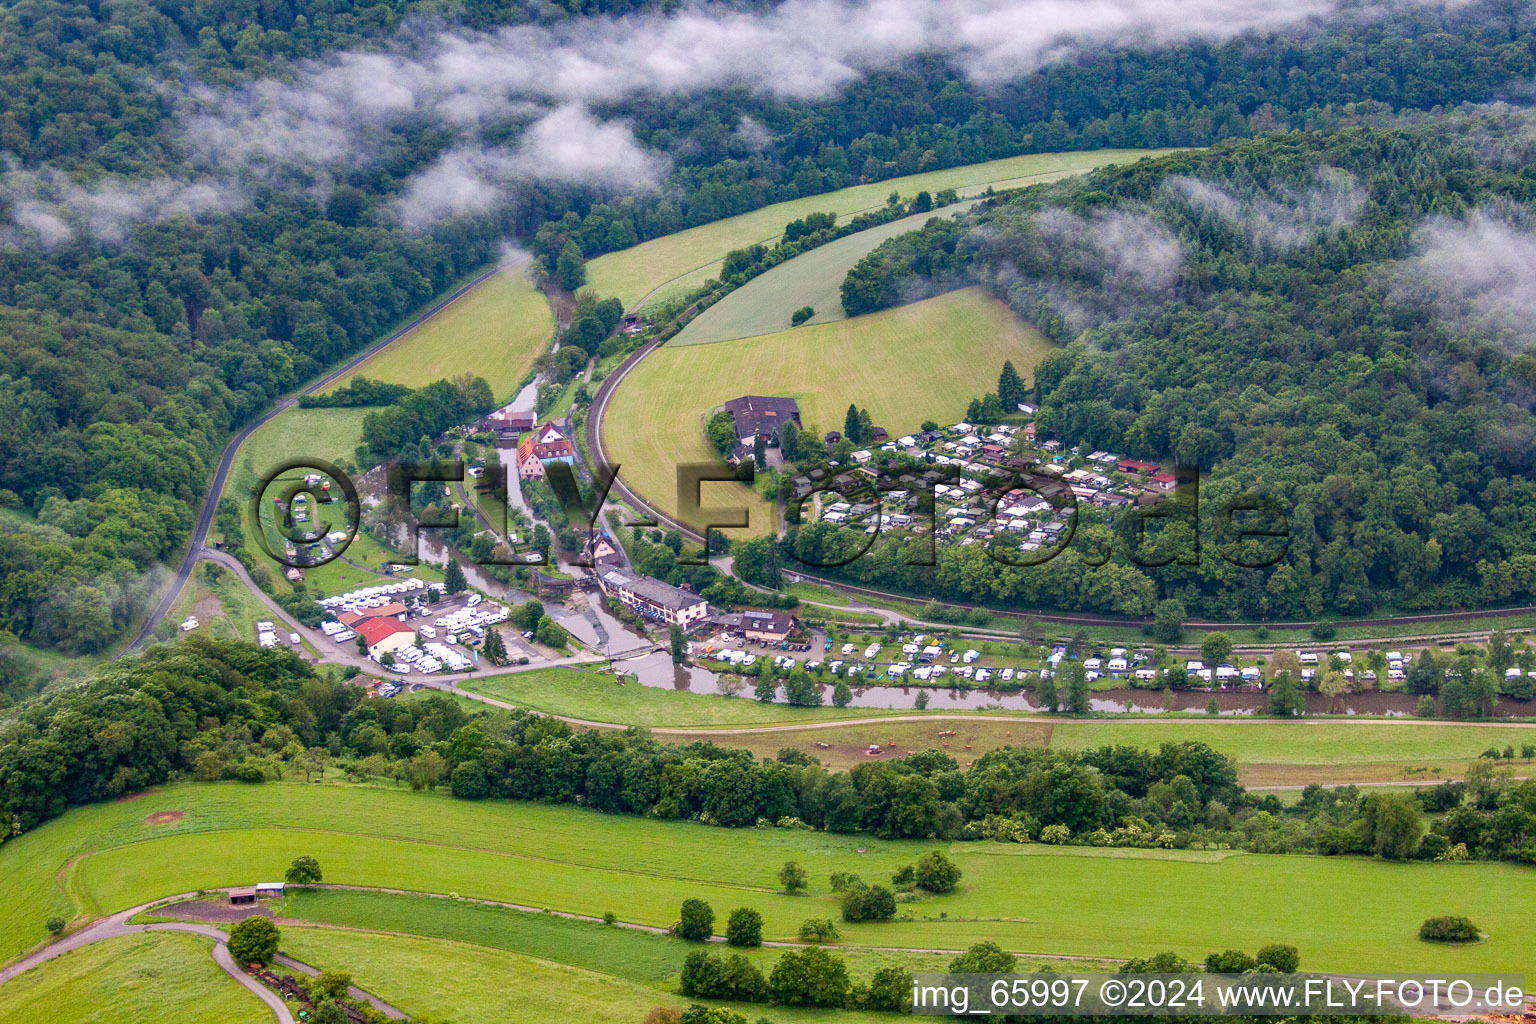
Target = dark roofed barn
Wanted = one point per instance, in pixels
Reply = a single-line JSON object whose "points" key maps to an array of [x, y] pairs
{"points": [[758, 416]]}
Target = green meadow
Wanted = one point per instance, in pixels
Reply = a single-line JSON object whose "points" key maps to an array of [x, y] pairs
{"points": [[475, 984], [495, 330], [663, 267], [1035, 899], [154, 976], [763, 305], [595, 697]]}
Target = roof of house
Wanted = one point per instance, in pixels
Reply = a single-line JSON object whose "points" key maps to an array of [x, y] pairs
{"points": [[758, 414], [758, 621], [534, 444], [374, 629], [508, 417], [653, 590]]}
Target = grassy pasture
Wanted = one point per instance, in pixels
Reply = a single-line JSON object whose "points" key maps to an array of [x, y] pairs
{"points": [[627, 953], [1043, 900], [329, 434], [594, 696], [906, 365], [495, 331], [156, 976], [1269, 753], [685, 259], [763, 305], [473, 984]]}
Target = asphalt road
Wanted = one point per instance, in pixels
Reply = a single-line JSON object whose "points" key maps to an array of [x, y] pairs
{"points": [[227, 460], [117, 926]]}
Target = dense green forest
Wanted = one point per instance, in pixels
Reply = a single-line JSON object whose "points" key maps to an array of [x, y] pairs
{"points": [[131, 348], [1292, 314], [210, 709]]}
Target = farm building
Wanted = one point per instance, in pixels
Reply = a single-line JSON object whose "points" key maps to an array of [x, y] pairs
{"points": [[242, 895], [384, 635], [757, 416], [508, 424], [393, 610], [655, 599]]}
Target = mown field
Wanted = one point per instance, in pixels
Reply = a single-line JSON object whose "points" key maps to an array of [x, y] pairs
{"points": [[1269, 753], [922, 361], [1037, 899], [628, 953], [595, 697], [763, 305], [684, 260], [329, 434], [495, 331], [156, 976], [475, 984]]}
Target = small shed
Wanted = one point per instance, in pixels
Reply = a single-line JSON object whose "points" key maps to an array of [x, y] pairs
{"points": [[269, 890], [244, 894]]}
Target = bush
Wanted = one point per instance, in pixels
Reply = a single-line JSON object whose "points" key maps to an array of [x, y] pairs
{"points": [[706, 976], [810, 977], [303, 871], [1055, 834], [937, 873], [330, 985], [1285, 959], [890, 989], [710, 1015], [1233, 961], [792, 877], [862, 902], [253, 940], [328, 1012], [55, 925], [609, 917], [744, 927], [1448, 929], [697, 922]]}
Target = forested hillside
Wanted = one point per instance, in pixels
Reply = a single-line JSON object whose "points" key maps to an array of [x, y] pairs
{"points": [[154, 295], [1335, 320]]}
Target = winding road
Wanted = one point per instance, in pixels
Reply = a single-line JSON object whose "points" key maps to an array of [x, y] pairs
{"points": [[117, 926], [227, 460]]}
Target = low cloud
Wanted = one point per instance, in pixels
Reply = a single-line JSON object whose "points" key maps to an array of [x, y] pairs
{"points": [[49, 209], [1478, 273], [542, 85], [1286, 223], [567, 144], [1085, 269]]}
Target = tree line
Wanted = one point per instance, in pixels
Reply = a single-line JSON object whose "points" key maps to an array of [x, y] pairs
{"points": [[211, 709]]}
